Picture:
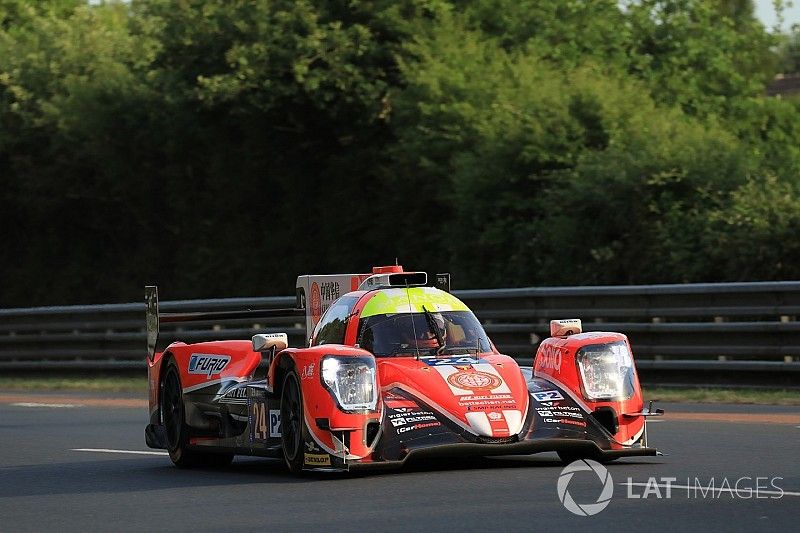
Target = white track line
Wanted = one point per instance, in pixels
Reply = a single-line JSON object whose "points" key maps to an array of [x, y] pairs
{"points": [[105, 450], [700, 488]]}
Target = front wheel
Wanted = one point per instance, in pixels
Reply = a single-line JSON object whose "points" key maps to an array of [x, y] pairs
{"points": [[292, 422]]}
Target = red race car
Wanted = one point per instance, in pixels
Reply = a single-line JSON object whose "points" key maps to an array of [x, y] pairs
{"points": [[393, 369]]}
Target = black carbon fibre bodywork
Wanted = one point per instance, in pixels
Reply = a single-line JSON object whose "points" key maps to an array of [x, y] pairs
{"points": [[244, 417]]}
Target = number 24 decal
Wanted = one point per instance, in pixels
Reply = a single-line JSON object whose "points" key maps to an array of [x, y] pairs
{"points": [[259, 430], [264, 423]]}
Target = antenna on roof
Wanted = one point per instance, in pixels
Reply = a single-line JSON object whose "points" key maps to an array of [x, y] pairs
{"points": [[413, 327], [396, 262]]}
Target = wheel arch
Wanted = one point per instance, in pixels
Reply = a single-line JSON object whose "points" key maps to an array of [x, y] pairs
{"points": [[283, 363]]}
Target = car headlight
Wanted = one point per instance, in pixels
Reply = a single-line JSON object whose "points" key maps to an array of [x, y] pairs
{"points": [[606, 371], [351, 381]]}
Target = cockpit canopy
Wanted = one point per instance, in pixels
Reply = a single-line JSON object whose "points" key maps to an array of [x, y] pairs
{"points": [[426, 333], [408, 321]]}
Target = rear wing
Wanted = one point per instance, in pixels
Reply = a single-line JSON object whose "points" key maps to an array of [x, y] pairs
{"points": [[154, 318], [314, 293]]}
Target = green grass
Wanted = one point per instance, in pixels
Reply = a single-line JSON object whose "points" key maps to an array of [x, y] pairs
{"points": [[707, 395], [139, 384], [87, 384]]}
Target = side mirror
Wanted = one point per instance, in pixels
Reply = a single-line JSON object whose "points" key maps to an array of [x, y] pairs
{"points": [[565, 328], [265, 342]]}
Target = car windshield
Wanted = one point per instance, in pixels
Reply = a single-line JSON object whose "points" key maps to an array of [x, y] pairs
{"points": [[438, 333]]}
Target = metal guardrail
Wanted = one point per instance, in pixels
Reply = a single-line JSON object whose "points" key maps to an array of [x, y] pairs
{"points": [[670, 325]]}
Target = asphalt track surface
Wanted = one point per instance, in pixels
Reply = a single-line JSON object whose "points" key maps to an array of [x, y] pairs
{"points": [[46, 485]]}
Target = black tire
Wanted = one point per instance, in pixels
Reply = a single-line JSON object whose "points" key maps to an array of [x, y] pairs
{"points": [[292, 423], [173, 416]]}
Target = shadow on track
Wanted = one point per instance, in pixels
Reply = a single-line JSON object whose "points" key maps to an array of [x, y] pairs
{"points": [[117, 475]]}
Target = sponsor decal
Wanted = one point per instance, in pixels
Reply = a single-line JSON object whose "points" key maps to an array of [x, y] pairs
{"points": [[420, 418], [316, 303], [492, 407], [402, 421], [422, 425], [491, 402], [552, 413], [551, 357], [454, 361], [317, 459], [547, 395], [235, 396], [274, 423], [565, 421], [257, 418], [494, 416], [321, 296], [208, 364], [474, 380], [465, 380], [308, 372], [405, 420], [477, 398], [560, 411], [329, 290]]}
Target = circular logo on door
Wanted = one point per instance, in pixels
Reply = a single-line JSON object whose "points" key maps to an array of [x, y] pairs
{"points": [[476, 380]]}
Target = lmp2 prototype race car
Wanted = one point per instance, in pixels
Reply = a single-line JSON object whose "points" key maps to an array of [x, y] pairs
{"points": [[393, 369]]}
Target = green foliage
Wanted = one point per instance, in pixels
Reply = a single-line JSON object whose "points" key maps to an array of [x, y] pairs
{"points": [[754, 235], [220, 147], [789, 51], [699, 54], [644, 202]]}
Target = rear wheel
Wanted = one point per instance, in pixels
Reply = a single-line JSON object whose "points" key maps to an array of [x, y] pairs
{"points": [[292, 422], [173, 416]]}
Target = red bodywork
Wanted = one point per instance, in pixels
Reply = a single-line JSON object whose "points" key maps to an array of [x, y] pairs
{"points": [[563, 350], [486, 395]]}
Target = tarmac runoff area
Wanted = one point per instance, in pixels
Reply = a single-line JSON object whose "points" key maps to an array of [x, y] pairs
{"points": [[78, 462]]}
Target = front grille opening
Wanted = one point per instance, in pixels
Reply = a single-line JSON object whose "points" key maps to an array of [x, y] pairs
{"points": [[607, 417], [373, 428]]}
